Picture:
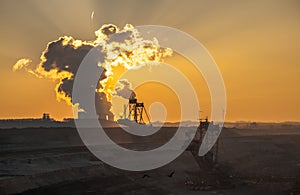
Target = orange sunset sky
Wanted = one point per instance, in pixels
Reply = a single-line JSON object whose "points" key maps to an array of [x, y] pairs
{"points": [[256, 45]]}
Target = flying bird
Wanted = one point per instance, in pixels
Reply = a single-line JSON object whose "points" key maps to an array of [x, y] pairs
{"points": [[144, 176], [171, 174]]}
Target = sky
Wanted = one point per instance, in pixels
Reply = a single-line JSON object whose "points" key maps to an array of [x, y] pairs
{"points": [[256, 45]]}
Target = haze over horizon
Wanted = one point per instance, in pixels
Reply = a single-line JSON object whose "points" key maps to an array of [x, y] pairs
{"points": [[255, 45]]}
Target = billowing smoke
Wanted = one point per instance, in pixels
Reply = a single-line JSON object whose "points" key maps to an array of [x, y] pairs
{"points": [[60, 61], [124, 89], [119, 50], [125, 49], [22, 63]]}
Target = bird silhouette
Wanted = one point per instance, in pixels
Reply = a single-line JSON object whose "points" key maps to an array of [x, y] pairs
{"points": [[171, 174]]}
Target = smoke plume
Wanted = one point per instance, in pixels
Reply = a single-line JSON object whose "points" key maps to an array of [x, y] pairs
{"points": [[22, 63], [120, 50], [124, 89]]}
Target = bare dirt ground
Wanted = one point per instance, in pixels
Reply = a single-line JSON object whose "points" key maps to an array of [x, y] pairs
{"points": [[54, 161]]}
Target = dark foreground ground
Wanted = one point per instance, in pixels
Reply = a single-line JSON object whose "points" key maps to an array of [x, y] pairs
{"points": [[54, 161]]}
